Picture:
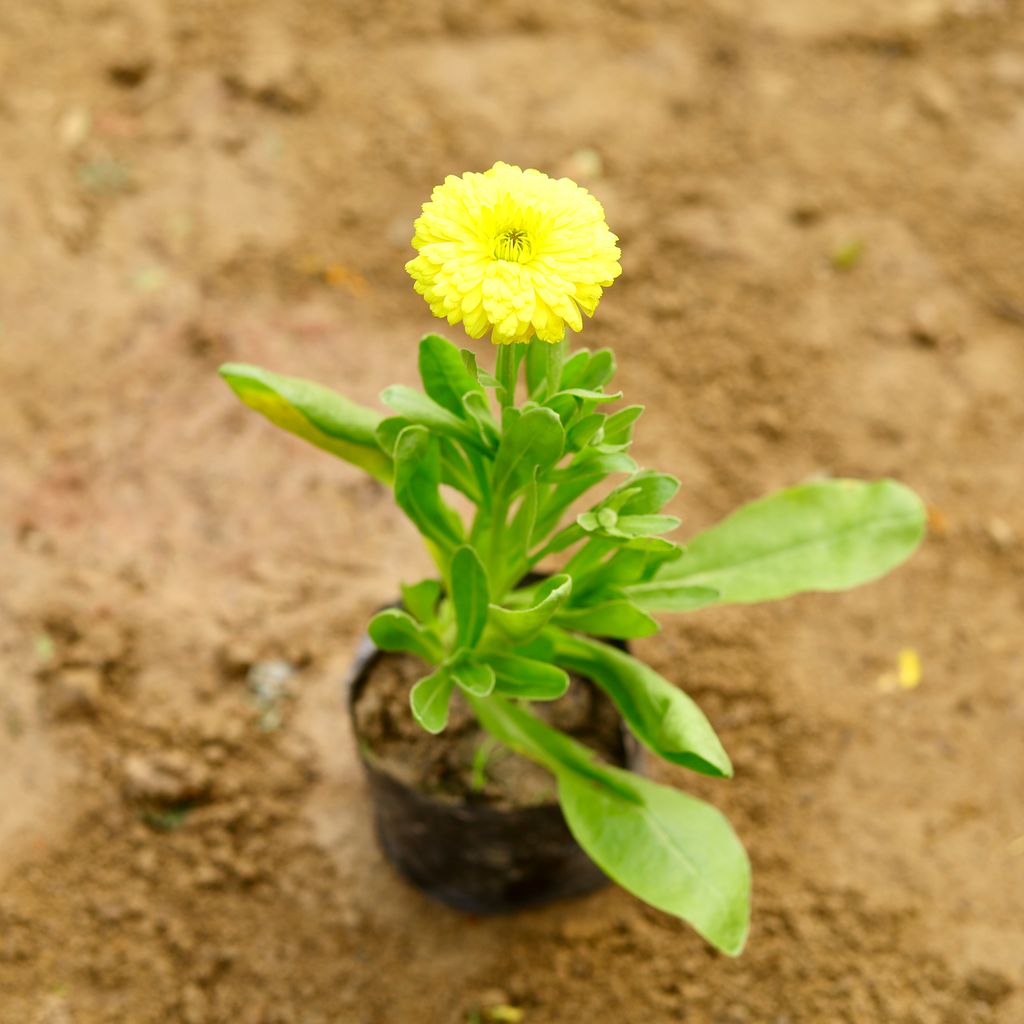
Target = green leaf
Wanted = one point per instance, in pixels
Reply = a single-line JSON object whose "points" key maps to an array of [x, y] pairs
{"points": [[616, 618], [314, 413], [473, 676], [629, 565], [534, 441], [421, 599], [619, 428], [643, 493], [831, 535], [485, 378], [514, 541], [585, 471], [573, 368], [418, 408], [520, 624], [669, 596], [667, 848], [446, 379], [456, 470], [591, 466], [388, 430], [429, 700], [670, 849], [394, 630], [599, 371], [470, 595], [587, 396], [663, 718], [585, 431], [588, 370], [476, 406], [605, 522], [536, 369], [528, 679], [417, 479]]}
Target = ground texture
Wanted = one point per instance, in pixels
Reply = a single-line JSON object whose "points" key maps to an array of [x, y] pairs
{"points": [[822, 217]]}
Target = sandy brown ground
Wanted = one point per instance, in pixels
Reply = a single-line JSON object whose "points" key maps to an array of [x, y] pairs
{"points": [[187, 182]]}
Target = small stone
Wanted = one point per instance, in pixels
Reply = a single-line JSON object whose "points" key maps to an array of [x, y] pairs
{"points": [[988, 986], [581, 928], [934, 97], [1001, 533], [1008, 69], [74, 127], [194, 1008], [128, 53], [492, 997], [206, 876], [771, 423], [164, 779], [272, 74], [75, 693], [146, 862]]}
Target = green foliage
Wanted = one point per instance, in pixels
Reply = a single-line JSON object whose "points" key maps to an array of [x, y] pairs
{"points": [[831, 535], [501, 636], [672, 850], [314, 413]]}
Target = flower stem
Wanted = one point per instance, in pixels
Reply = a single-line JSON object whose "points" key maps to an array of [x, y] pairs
{"points": [[506, 372]]}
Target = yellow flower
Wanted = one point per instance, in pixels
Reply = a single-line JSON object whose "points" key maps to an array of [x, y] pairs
{"points": [[514, 252]]}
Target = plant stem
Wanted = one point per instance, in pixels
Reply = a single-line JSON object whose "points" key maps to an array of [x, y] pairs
{"points": [[506, 373]]}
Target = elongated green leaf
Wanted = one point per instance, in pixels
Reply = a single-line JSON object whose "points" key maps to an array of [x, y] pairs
{"points": [[394, 630], [424, 411], [667, 848], [589, 370], [617, 618], [534, 441], [520, 624], [643, 493], [421, 599], [470, 595], [587, 396], [486, 379], [670, 849], [663, 718], [417, 478], [629, 565], [475, 404], [314, 413], [669, 596], [519, 532], [536, 370], [591, 466], [429, 700], [605, 522], [446, 379], [474, 676], [457, 471], [527, 679], [588, 430], [587, 470], [619, 428], [388, 430], [831, 535]]}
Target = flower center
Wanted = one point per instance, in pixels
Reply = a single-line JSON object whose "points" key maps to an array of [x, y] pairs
{"points": [[514, 245]]}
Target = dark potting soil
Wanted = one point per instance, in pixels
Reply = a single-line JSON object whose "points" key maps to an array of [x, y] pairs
{"points": [[463, 762]]}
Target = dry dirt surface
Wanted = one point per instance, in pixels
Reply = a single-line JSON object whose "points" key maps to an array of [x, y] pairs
{"points": [[821, 207]]}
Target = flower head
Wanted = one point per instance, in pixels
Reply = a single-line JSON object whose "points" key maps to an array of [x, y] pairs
{"points": [[514, 252]]}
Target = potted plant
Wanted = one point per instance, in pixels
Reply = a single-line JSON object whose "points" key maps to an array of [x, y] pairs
{"points": [[519, 641]]}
